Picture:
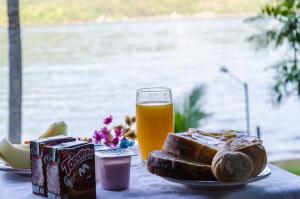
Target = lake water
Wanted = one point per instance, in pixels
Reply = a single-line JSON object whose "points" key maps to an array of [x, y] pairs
{"points": [[82, 73]]}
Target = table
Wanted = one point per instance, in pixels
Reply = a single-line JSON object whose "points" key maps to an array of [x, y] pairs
{"points": [[279, 185]]}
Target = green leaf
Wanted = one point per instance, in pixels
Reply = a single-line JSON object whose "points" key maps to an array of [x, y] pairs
{"points": [[180, 122], [285, 32], [190, 114]]}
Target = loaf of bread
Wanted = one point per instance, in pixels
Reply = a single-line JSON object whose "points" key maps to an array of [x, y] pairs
{"points": [[164, 164]]}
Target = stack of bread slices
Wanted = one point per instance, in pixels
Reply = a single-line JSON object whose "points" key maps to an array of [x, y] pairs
{"points": [[198, 155]]}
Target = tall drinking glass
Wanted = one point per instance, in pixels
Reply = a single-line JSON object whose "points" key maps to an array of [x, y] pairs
{"points": [[155, 118]]}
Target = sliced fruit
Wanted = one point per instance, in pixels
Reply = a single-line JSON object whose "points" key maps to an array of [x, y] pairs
{"points": [[22, 146], [16, 156], [58, 128]]}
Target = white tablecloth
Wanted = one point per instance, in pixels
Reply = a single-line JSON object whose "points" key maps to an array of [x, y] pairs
{"points": [[279, 185]]}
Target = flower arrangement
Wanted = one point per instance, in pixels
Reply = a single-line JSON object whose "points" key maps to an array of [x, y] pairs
{"points": [[123, 134]]}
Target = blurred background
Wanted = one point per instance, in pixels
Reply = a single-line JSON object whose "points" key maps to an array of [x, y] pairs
{"points": [[84, 60]]}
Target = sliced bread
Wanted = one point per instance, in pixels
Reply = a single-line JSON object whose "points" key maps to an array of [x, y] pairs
{"points": [[166, 165], [193, 146]]}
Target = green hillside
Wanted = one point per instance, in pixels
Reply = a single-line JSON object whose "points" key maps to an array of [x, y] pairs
{"points": [[37, 12]]}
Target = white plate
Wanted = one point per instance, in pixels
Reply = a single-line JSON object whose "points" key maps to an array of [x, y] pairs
{"points": [[217, 185], [7, 168]]}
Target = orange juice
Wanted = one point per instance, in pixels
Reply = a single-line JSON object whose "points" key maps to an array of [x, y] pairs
{"points": [[154, 122]]}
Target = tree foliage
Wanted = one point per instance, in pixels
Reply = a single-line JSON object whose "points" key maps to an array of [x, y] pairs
{"points": [[190, 114], [284, 32]]}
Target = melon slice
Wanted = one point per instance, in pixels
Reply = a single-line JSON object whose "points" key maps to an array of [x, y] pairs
{"points": [[14, 155], [57, 128]]}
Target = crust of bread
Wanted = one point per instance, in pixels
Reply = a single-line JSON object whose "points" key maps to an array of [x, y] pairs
{"points": [[166, 165]]}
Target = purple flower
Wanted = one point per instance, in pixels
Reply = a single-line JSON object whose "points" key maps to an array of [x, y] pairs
{"points": [[114, 136], [118, 132], [108, 120], [97, 136], [105, 132], [115, 141]]}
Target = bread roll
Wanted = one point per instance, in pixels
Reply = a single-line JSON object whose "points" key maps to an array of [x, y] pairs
{"points": [[253, 148], [231, 166]]}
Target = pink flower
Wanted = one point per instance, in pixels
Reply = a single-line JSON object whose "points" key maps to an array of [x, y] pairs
{"points": [[118, 132], [97, 136], [111, 136], [108, 120], [115, 141], [105, 132]]}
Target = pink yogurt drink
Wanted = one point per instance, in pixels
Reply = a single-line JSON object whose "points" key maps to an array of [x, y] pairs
{"points": [[113, 168], [115, 173]]}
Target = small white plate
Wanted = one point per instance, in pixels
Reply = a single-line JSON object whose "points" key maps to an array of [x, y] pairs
{"points": [[7, 168], [217, 185]]}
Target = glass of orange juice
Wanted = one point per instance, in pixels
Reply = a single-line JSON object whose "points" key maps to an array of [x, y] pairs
{"points": [[154, 118]]}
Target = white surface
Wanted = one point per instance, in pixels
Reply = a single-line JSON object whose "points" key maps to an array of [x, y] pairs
{"points": [[279, 185]]}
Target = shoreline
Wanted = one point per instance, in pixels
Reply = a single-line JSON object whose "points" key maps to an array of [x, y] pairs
{"points": [[292, 162], [174, 16], [292, 165]]}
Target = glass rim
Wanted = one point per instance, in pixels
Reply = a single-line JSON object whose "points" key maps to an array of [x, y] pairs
{"points": [[153, 89]]}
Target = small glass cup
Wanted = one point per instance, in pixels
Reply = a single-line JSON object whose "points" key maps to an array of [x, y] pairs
{"points": [[155, 118]]}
